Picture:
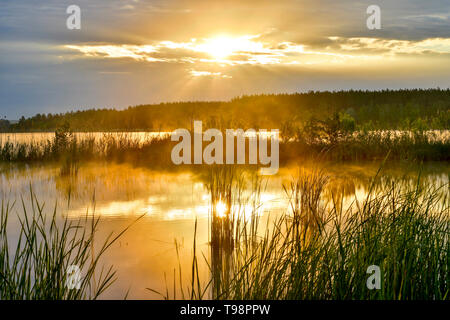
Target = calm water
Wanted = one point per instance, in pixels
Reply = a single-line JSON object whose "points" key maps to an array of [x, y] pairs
{"points": [[170, 203]]}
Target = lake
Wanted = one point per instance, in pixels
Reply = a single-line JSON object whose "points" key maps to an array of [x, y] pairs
{"points": [[170, 203]]}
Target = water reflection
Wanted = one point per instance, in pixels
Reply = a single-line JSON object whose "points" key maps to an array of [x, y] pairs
{"points": [[218, 200]]}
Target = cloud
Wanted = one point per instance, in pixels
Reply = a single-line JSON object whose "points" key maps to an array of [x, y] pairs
{"points": [[249, 50], [196, 73], [131, 52], [229, 51], [392, 46], [127, 7]]}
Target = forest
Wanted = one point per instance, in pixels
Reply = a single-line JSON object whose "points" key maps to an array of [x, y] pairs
{"points": [[417, 109]]}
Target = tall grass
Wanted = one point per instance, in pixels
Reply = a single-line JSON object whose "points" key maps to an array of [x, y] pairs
{"points": [[156, 151], [402, 145], [34, 264], [319, 250], [65, 146], [230, 227]]}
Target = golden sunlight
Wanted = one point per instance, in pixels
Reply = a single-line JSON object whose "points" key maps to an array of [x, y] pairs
{"points": [[221, 47], [221, 209], [225, 50]]}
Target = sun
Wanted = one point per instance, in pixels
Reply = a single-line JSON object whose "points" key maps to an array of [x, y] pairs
{"points": [[221, 47]]}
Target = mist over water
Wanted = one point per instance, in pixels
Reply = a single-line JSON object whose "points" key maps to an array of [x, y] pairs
{"points": [[171, 202]]}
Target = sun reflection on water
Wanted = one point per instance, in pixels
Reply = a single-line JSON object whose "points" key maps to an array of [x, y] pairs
{"points": [[221, 209]]}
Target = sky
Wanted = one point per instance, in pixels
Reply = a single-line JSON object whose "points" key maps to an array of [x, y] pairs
{"points": [[131, 52]]}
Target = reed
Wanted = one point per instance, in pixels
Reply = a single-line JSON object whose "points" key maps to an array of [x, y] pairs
{"points": [[34, 263], [360, 146], [156, 151], [319, 250]]}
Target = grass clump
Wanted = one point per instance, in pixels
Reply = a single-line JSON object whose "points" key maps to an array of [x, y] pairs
{"points": [[34, 263], [320, 250]]}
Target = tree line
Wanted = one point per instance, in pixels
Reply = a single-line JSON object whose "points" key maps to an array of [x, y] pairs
{"points": [[387, 109]]}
